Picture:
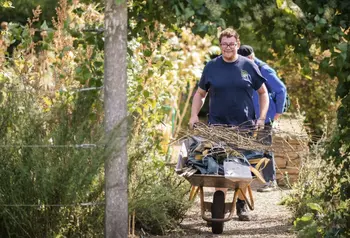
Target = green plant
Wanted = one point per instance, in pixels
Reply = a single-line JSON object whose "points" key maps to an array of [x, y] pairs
{"points": [[160, 75], [158, 198], [52, 152], [315, 215]]}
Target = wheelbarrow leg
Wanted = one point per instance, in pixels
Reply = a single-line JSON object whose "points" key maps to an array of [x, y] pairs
{"points": [[193, 192], [250, 203]]}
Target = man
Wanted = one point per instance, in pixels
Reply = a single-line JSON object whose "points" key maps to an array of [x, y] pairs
{"points": [[231, 80], [277, 94]]}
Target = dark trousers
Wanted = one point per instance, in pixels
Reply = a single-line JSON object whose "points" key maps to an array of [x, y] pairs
{"points": [[269, 172]]}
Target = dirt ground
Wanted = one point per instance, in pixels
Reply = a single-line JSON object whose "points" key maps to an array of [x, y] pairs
{"points": [[268, 219]]}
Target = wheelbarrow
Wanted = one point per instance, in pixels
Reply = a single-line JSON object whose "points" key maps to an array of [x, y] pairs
{"points": [[218, 207]]}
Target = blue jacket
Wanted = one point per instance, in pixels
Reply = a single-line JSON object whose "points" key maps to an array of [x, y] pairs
{"points": [[277, 92]]}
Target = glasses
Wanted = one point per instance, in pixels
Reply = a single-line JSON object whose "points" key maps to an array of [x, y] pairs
{"points": [[225, 45]]}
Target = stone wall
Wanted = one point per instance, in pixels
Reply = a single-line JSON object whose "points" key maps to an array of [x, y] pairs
{"points": [[290, 147]]}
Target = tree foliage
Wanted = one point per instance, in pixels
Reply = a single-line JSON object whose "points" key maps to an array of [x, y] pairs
{"points": [[20, 10]]}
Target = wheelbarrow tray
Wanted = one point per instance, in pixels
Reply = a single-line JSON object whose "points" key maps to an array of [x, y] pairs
{"points": [[218, 181]]}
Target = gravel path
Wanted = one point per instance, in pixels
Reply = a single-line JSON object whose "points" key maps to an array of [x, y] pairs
{"points": [[268, 219]]}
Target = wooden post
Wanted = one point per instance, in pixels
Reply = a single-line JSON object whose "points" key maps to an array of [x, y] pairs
{"points": [[115, 106]]}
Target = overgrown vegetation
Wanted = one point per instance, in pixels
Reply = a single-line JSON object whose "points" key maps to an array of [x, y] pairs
{"points": [[309, 95], [314, 215], [52, 142], [160, 74], [51, 138]]}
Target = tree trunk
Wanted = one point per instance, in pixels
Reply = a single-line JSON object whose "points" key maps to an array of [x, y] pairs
{"points": [[115, 105]]}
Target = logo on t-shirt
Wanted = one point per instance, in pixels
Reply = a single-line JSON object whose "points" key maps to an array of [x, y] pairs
{"points": [[245, 75]]}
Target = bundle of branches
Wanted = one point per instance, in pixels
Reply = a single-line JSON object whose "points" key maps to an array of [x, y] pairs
{"points": [[246, 138]]}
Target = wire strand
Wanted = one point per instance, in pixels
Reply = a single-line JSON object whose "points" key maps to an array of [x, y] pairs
{"points": [[74, 90], [84, 204], [83, 146]]}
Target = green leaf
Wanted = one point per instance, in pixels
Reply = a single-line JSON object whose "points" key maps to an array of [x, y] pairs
{"points": [[315, 207], [188, 13], [197, 3], [150, 73], [182, 6], [67, 48], [168, 63], [78, 70], [310, 26], [7, 4], [177, 11], [139, 110], [320, 10], [139, 88], [343, 46], [44, 26], [98, 64], [200, 28], [152, 103], [146, 93], [279, 3], [147, 53], [322, 21]]}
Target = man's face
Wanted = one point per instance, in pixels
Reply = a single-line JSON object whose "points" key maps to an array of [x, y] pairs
{"points": [[229, 47]]}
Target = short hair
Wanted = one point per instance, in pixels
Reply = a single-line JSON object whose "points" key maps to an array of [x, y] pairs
{"points": [[229, 32], [245, 50]]}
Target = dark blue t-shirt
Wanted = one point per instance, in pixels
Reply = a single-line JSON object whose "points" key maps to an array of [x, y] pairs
{"points": [[230, 87]]}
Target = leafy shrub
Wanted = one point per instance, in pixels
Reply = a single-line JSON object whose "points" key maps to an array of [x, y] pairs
{"points": [[158, 198], [307, 87], [316, 214], [44, 172]]}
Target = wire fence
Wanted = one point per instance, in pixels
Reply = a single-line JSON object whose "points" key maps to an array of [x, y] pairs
{"points": [[16, 134], [72, 90], [80, 146], [83, 204]]}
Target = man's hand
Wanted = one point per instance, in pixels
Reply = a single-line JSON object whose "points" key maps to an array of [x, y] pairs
{"points": [[260, 123], [193, 120], [277, 115], [276, 125]]}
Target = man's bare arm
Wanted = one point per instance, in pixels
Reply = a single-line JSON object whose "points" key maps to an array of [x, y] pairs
{"points": [[197, 103], [263, 102]]}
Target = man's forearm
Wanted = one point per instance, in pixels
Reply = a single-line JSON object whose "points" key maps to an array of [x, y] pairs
{"points": [[197, 104], [264, 104]]}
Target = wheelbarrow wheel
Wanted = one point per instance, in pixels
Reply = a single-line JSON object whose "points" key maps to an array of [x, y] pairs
{"points": [[218, 211]]}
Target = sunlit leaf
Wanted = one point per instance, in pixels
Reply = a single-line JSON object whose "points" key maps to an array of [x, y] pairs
{"points": [[146, 93], [315, 206], [44, 26], [139, 88], [147, 53], [7, 4]]}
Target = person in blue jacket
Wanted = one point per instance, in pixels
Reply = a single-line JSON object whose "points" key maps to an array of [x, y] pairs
{"points": [[277, 95]]}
